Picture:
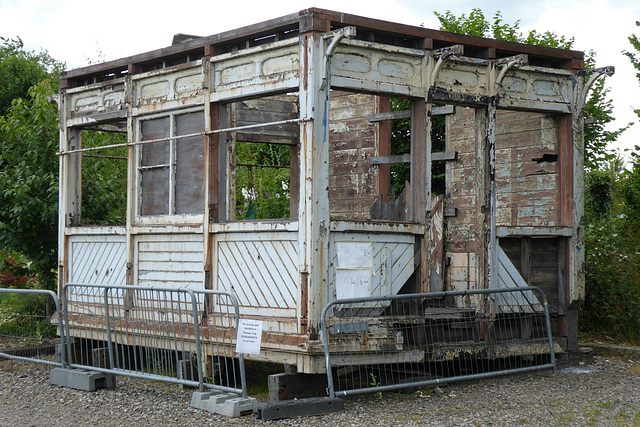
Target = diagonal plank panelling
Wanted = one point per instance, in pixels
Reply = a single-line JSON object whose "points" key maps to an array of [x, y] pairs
{"points": [[262, 273], [97, 260]]}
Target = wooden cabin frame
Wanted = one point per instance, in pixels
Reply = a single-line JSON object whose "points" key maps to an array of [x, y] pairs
{"points": [[181, 227]]}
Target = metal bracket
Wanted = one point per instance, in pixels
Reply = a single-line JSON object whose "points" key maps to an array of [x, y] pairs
{"points": [[336, 36], [595, 74], [509, 63], [444, 54]]}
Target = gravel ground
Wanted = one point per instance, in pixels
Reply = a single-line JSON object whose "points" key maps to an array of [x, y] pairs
{"points": [[596, 391]]}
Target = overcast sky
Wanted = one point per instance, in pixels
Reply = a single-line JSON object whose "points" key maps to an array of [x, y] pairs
{"points": [[82, 31]]}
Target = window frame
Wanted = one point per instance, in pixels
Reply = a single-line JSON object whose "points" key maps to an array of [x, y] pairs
{"points": [[172, 217]]}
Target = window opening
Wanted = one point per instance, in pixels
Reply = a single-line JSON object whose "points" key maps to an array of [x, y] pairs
{"points": [[263, 181], [263, 175], [104, 178], [400, 145]]}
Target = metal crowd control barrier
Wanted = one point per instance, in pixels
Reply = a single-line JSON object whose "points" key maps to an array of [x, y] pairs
{"points": [[388, 343], [28, 326], [222, 312], [166, 334]]}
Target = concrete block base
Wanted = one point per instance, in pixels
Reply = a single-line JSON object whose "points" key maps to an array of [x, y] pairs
{"points": [[81, 379], [299, 408], [228, 404], [289, 386]]}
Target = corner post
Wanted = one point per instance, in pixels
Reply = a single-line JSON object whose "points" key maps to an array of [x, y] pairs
{"points": [[313, 212]]}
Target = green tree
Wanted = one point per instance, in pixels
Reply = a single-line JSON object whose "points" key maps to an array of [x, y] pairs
{"points": [[104, 179], [612, 260], [29, 181], [20, 69], [634, 57], [476, 24], [262, 181], [612, 201]]}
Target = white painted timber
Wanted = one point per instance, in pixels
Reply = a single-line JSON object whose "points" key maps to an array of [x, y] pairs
{"points": [[253, 71], [370, 264], [95, 99], [174, 260], [368, 66], [261, 271], [168, 85], [97, 259]]}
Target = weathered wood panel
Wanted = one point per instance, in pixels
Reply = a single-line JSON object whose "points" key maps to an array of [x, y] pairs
{"points": [[527, 172], [536, 88], [374, 67], [98, 100], [254, 71], [168, 85], [97, 259], [509, 277], [266, 110], [261, 272], [466, 81], [370, 264], [436, 245], [353, 181], [539, 262], [465, 194], [170, 260], [527, 178]]}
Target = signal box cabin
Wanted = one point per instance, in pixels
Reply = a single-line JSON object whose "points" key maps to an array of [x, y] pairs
{"points": [[322, 155]]}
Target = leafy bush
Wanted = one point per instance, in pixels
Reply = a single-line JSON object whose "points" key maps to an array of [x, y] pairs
{"points": [[27, 316], [14, 272], [612, 255]]}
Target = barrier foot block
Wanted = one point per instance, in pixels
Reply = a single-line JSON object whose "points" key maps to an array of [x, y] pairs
{"points": [[228, 404], [80, 379], [299, 408]]}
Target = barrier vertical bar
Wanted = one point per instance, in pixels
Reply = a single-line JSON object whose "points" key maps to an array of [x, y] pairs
{"points": [[107, 320]]}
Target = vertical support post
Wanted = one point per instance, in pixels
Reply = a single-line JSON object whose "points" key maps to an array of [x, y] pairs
{"points": [[421, 180], [566, 273], [576, 273], [70, 197], [492, 199], [65, 325], [420, 160], [227, 177], [209, 113], [313, 212], [131, 181], [66, 143], [479, 234]]}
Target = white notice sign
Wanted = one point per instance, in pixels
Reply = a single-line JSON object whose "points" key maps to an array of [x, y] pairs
{"points": [[249, 336]]}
